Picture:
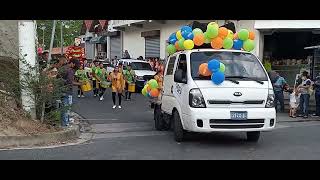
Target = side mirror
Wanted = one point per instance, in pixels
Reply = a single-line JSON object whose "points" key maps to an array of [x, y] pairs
{"points": [[179, 77]]}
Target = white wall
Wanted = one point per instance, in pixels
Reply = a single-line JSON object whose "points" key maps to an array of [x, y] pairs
{"points": [[134, 43], [9, 46]]}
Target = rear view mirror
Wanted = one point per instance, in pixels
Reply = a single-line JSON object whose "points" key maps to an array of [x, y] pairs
{"points": [[179, 76]]}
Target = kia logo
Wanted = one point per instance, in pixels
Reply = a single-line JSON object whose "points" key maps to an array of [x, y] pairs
{"points": [[237, 94]]}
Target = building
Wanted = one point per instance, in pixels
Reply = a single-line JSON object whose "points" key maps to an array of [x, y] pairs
{"points": [[9, 41]]}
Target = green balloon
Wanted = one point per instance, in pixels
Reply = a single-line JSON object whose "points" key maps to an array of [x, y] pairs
{"points": [[222, 68], [197, 31], [248, 45], [144, 91], [227, 43], [153, 84], [171, 49], [243, 34], [207, 39], [181, 46], [212, 31]]}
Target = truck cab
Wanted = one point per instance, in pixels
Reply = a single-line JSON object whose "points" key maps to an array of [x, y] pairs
{"points": [[244, 102]]}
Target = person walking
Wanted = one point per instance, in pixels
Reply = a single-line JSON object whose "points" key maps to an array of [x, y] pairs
{"points": [[305, 94], [117, 82], [129, 76], [95, 84], [81, 75], [101, 77], [278, 86], [317, 96]]}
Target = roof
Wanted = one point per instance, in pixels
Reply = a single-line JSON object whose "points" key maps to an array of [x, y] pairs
{"points": [[57, 50]]}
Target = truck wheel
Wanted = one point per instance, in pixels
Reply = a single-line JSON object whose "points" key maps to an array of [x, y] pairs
{"points": [[179, 132], [158, 119], [253, 136]]}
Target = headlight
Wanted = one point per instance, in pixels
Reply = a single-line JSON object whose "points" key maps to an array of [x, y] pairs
{"points": [[140, 78], [196, 99], [270, 99]]}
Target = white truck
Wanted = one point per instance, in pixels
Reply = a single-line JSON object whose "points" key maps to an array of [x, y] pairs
{"points": [[244, 102]]}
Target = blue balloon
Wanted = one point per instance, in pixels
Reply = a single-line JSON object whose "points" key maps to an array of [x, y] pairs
{"points": [[189, 36], [217, 78], [214, 65], [173, 38], [185, 31], [237, 44]]}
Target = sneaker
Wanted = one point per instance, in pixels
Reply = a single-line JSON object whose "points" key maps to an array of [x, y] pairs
{"points": [[82, 96], [94, 95], [119, 107], [79, 96], [101, 98], [315, 115], [300, 115], [113, 107], [305, 117]]}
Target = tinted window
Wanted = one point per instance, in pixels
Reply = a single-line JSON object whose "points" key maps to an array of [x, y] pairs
{"points": [[141, 66], [171, 65]]}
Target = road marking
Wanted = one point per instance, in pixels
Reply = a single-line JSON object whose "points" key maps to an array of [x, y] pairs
{"points": [[130, 134]]}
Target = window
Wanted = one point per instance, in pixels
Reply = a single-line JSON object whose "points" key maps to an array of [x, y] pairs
{"points": [[170, 66], [141, 66]]}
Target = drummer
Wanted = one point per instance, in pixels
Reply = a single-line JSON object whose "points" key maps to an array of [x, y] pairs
{"points": [[129, 77], [82, 77]]}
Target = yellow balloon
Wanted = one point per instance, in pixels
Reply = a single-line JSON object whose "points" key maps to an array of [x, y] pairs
{"points": [[178, 35], [230, 34], [216, 26], [188, 44]]}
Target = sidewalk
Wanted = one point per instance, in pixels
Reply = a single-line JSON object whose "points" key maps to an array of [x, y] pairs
{"points": [[284, 117]]}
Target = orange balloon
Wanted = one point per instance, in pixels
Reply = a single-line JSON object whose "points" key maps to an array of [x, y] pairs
{"points": [[203, 70], [198, 39], [148, 89], [154, 92], [177, 45], [235, 36], [217, 43], [223, 32], [251, 35]]}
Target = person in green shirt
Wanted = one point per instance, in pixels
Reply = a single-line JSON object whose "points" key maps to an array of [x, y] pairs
{"points": [[94, 80], [81, 76], [129, 76], [101, 77]]}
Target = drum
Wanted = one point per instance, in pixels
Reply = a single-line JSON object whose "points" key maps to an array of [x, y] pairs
{"points": [[105, 84], [86, 87], [132, 87]]}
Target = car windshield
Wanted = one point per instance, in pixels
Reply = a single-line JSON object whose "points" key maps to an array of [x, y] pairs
{"points": [[237, 64], [141, 66]]}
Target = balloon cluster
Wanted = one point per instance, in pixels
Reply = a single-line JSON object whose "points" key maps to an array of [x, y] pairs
{"points": [[215, 69], [151, 89], [219, 37]]}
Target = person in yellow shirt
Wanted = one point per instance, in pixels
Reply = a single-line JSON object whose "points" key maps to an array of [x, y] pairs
{"points": [[117, 85]]}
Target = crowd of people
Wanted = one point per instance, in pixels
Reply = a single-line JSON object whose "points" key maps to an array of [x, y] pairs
{"points": [[299, 94]]}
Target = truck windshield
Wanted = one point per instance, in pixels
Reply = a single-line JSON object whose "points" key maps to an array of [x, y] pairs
{"points": [[141, 66], [239, 65]]}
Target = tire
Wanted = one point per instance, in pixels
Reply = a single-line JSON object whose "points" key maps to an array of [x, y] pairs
{"points": [[178, 131], [253, 136], [158, 119]]}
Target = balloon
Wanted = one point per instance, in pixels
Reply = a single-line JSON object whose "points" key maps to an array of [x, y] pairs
{"points": [[148, 95], [178, 35], [207, 40], [185, 31], [197, 31], [227, 43], [181, 46], [148, 89], [223, 32], [154, 92], [212, 31], [237, 44], [153, 84], [248, 45], [217, 43], [188, 44], [173, 38], [251, 35], [189, 36], [222, 68], [213, 65], [213, 24], [243, 34], [171, 49], [176, 45], [198, 39], [204, 70], [230, 34], [144, 91], [235, 36], [217, 78]]}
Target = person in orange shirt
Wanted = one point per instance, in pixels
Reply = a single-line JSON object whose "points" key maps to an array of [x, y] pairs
{"points": [[117, 85], [159, 78]]}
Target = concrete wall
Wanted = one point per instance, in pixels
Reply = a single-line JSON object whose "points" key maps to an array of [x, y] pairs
{"points": [[9, 38]]}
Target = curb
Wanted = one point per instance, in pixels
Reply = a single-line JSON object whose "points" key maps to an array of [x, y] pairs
{"points": [[43, 139]]}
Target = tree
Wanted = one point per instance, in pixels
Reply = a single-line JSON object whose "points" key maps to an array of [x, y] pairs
{"points": [[71, 30]]}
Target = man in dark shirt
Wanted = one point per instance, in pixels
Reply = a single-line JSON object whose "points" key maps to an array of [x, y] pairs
{"points": [[43, 60]]}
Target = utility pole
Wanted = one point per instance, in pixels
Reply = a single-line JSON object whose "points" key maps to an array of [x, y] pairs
{"points": [[27, 52], [51, 42], [61, 37]]}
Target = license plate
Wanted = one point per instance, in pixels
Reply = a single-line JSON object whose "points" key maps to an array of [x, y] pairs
{"points": [[239, 115]]}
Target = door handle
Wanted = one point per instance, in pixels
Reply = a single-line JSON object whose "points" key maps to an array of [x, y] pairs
{"points": [[171, 89]]}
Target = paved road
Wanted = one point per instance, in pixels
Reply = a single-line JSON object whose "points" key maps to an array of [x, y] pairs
{"points": [[128, 133]]}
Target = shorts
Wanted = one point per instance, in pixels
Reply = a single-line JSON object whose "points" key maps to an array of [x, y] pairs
{"points": [[293, 105]]}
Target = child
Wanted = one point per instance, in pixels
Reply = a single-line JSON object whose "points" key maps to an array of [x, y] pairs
{"points": [[293, 102], [82, 76]]}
